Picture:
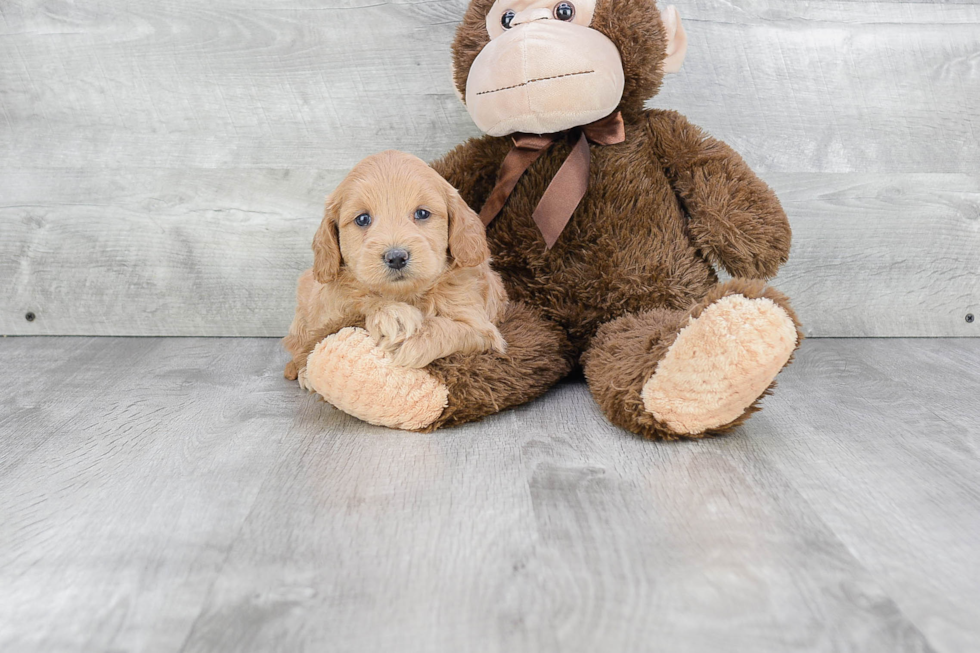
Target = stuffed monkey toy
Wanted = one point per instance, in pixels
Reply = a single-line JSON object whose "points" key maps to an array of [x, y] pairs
{"points": [[607, 222]]}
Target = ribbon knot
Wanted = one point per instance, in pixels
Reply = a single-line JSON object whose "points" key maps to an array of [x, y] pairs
{"points": [[566, 190]]}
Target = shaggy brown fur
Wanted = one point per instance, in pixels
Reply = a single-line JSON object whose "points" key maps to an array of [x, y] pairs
{"points": [[625, 353], [480, 384], [445, 300], [662, 209]]}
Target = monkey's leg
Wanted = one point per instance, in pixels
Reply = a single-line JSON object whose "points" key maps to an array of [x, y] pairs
{"points": [[674, 374], [351, 373]]}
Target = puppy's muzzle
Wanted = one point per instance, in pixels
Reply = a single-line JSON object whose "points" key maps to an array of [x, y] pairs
{"points": [[397, 259]]}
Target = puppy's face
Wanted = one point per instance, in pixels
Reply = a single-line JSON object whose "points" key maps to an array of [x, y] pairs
{"points": [[397, 226], [393, 221]]}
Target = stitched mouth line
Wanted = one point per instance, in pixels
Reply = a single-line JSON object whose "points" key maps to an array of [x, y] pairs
{"points": [[534, 81]]}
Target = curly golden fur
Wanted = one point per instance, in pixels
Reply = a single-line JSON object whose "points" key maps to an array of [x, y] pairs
{"points": [[445, 299]]}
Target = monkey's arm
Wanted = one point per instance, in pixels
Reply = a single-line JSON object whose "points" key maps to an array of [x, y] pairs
{"points": [[472, 167], [735, 218]]}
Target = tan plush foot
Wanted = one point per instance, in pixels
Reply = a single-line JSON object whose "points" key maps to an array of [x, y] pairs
{"points": [[721, 362], [351, 373]]}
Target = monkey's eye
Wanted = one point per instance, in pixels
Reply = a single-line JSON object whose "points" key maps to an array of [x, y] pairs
{"points": [[507, 18], [565, 11], [422, 214], [363, 220]]}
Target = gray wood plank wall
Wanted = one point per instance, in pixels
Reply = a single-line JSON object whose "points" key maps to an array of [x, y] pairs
{"points": [[162, 164]]}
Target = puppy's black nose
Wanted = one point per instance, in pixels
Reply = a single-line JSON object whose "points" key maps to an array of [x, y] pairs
{"points": [[396, 259]]}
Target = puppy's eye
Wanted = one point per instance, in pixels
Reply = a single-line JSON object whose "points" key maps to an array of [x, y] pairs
{"points": [[507, 18], [565, 11], [422, 214], [363, 220]]}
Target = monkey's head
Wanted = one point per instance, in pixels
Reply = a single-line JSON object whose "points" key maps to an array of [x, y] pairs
{"points": [[543, 66]]}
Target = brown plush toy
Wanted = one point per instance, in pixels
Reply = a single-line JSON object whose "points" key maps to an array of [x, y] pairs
{"points": [[606, 230]]}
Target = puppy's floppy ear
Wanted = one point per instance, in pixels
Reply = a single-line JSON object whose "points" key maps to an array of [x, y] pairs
{"points": [[467, 235], [326, 245]]}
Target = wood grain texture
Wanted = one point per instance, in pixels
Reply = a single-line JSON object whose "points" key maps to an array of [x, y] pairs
{"points": [[132, 469], [883, 255], [883, 87], [794, 85], [158, 252], [872, 424], [189, 499], [217, 252], [162, 165]]}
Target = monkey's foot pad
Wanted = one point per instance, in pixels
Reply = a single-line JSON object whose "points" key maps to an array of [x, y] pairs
{"points": [[720, 364], [351, 373]]}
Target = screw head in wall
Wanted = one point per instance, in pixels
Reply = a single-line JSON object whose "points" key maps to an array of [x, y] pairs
{"points": [[30, 317]]}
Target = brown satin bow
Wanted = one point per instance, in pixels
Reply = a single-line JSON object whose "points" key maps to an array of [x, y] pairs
{"points": [[567, 189]]}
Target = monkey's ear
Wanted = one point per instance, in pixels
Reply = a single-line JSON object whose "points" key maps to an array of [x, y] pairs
{"points": [[326, 245], [467, 235], [676, 40]]}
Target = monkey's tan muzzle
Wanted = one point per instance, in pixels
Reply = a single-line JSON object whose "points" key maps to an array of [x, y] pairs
{"points": [[543, 77]]}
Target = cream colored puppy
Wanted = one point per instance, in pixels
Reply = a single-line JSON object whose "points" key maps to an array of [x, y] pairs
{"points": [[401, 254]]}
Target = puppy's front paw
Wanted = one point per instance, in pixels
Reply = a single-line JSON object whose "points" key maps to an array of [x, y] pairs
{"points": [[415, 352], [303, 380], [497, 342], [393, 324]]}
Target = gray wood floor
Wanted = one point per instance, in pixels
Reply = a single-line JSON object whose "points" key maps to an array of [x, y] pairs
{"points": [[178, 495]]}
